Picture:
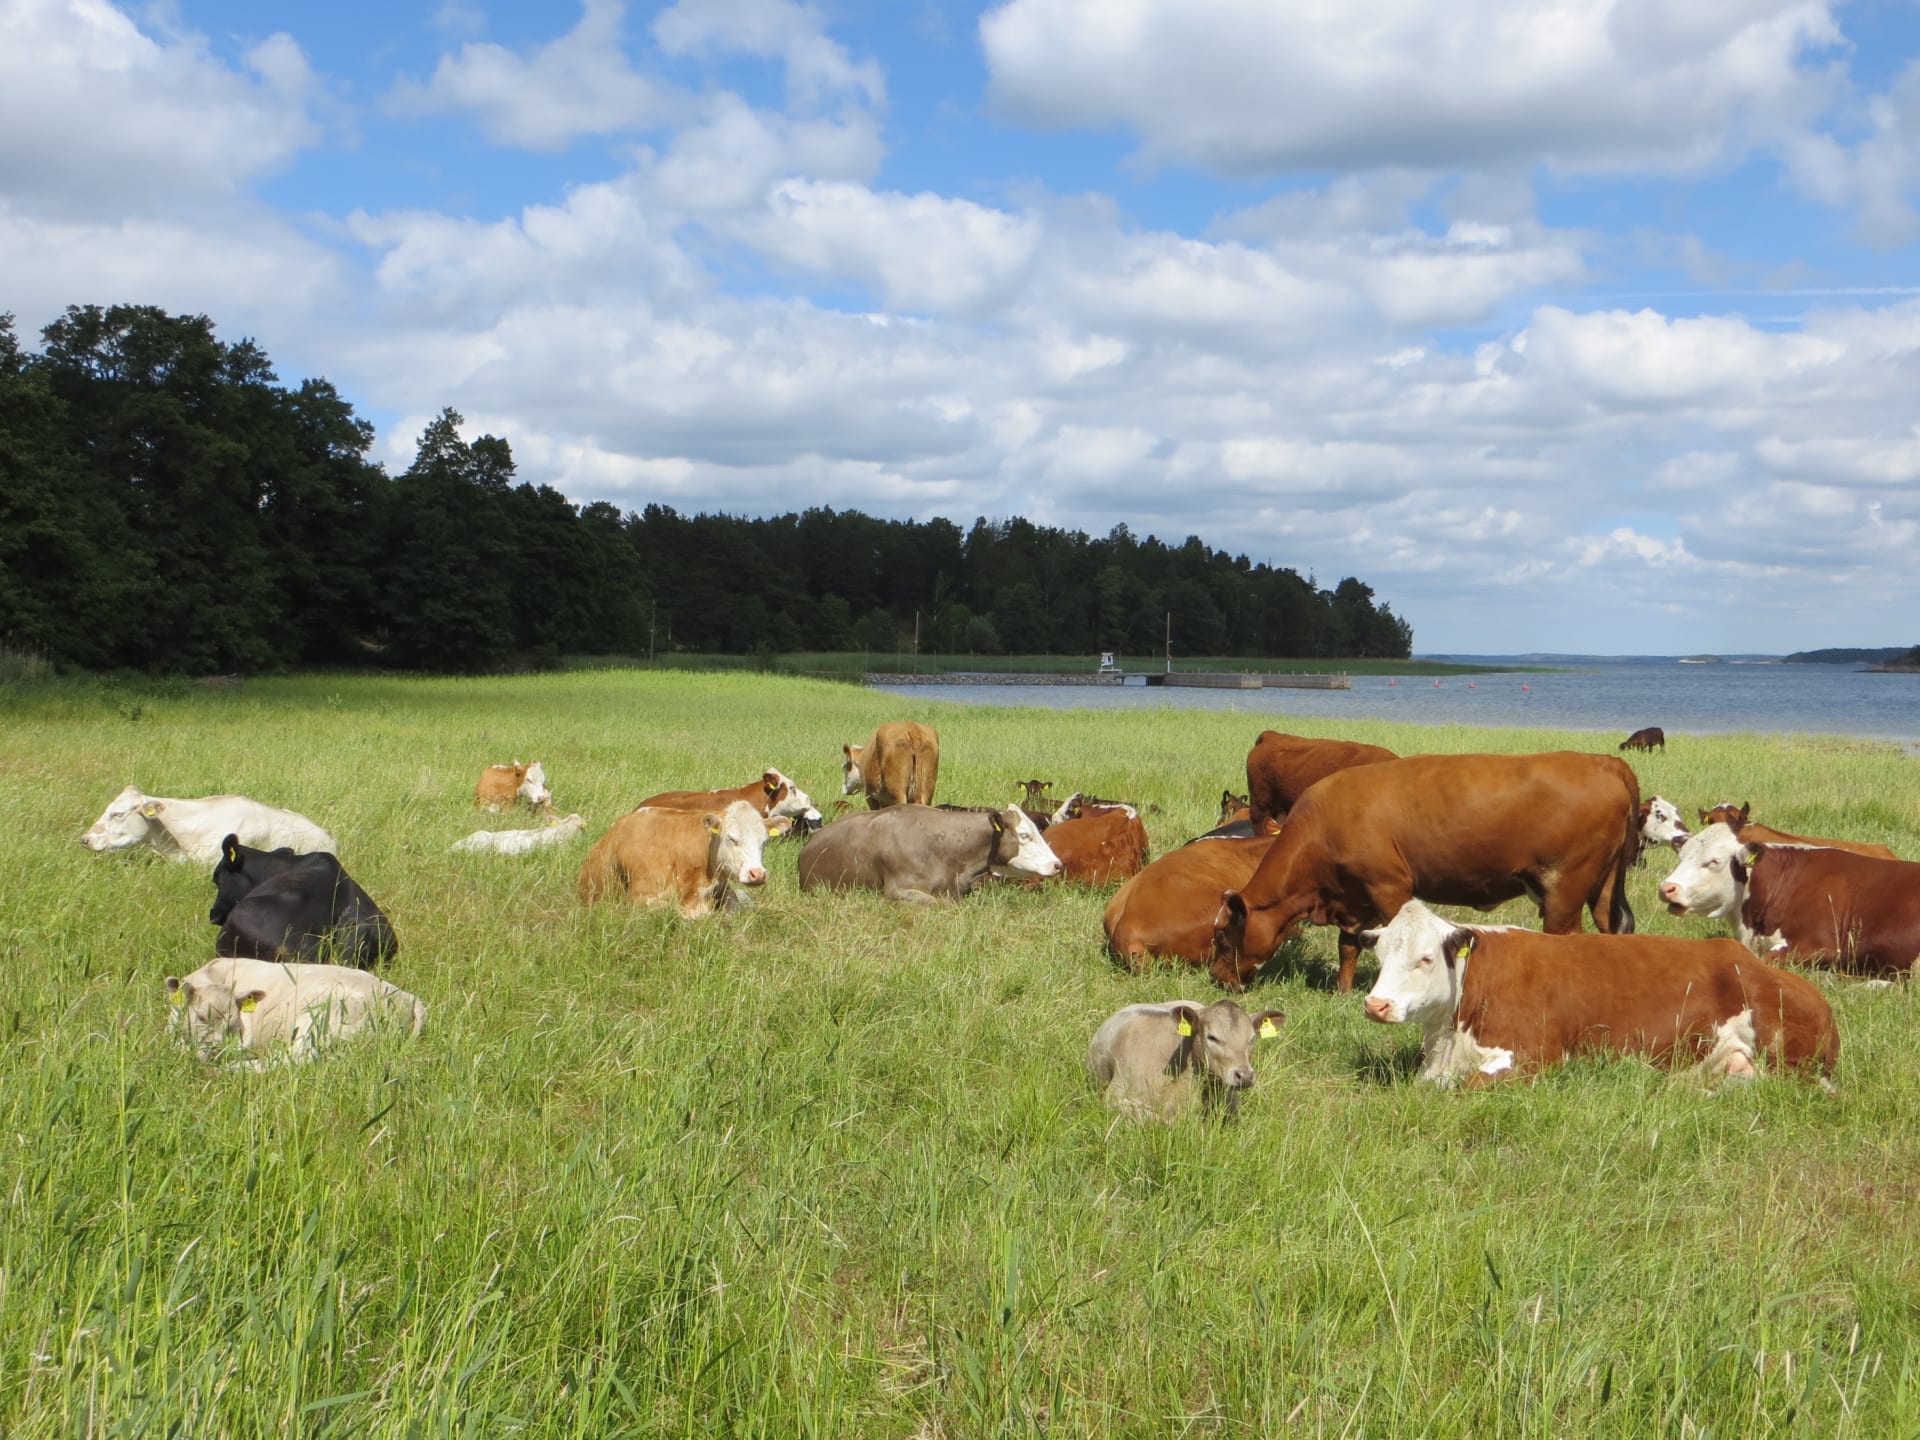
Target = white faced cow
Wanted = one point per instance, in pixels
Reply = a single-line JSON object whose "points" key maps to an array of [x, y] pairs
{"points": [[193, 829], [259, 1006]]}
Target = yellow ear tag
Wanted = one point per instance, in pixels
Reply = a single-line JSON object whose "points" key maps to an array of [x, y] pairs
{"points": [[1185, 1028], [1268, 1029], [249, 1004], [1466, 947], [178, 997], [1753, 859]]}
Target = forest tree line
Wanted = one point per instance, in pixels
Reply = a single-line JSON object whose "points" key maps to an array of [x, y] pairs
{"points": [[167, 504]]}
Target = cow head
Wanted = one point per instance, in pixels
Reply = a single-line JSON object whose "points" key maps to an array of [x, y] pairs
{"points": [[1216, 1045], [533, 786], [123, 824], [787, 800], [1423, 966], [737, 836], [1230, 806], [206, 1015], [1711, 876], [1035, 796], [1018, 845], [1727, 813], [850, 781], [1244, 939], [1660, 823]]}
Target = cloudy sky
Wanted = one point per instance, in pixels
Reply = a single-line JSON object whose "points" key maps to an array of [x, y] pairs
{"points": [[1587, 325]]}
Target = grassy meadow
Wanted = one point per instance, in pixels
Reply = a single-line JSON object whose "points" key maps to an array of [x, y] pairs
{"points": [[830, 1167]]}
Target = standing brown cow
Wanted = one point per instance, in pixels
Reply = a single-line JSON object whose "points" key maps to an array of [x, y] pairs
{"points": [[1453, 829], [1651, 738], [1281, 767], [898, 766]]}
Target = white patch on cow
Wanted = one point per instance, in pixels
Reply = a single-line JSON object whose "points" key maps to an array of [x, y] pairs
{"points": [[1734, 1046], [1776, 941], [1417, 984], [1492, 1061], [1035, 856], [796, 804], [1079, 797]]}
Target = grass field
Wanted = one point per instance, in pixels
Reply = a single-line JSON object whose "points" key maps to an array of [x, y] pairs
{"points": [[831, 1168]]}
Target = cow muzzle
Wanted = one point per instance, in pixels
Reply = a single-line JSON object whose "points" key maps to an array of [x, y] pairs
{"points": [[755, 876], [1380, 1008]]}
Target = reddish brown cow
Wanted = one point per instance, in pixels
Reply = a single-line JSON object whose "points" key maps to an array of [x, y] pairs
{"points": [[1651, 738], [1454, 829], [1280, 768], [1736, 820], [1100, 845], [773, 795], [1169, 907]]}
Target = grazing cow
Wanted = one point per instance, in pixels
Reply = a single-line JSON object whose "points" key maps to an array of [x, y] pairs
{"points": [[193, 829], [502, 785], [1803, 902], [1169, 907], [521, 842], [1456, 829], [1100, 845], [276, 905], [918, 853], [1735, 819], [1148, 1059], [1233, 808], [258, 1004], [1660, 826], [1493, 1000], [773, 795], [898, 766], [1280, 767], [684, 857], [1651, 738]]}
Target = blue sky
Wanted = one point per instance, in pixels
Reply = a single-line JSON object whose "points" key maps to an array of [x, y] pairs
{"points": [[1580, 325]]}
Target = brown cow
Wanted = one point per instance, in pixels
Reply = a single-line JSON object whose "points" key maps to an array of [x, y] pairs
{"points": [[1736, 820], [1169, 907], [1100, 845], [773, 795], [1496, 1000], [1808, 903], [1651, 738], [501, 785], [1233, 808], [680, 856], [898, 766], [1476, 830], [1280, 767]]}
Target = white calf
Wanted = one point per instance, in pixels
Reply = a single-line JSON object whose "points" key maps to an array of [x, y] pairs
{"points": [[193, 829], [521, 842], [259, 1005]]}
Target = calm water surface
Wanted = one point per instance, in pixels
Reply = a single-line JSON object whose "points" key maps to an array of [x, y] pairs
{"points": [[1681, 699]]}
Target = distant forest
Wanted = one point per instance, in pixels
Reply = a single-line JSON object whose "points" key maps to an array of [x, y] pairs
{"points": [[167, 505], [1842, 656]]}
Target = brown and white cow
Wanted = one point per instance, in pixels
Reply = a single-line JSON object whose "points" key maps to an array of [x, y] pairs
{"points": [[502, 785], [1494, 1000], [1802, 902], [1477, 830], [1099, 845], [1281, 767], [684, 857], [1651, 738], [1735, 818], [773, 795], [1169, 907], [898, 766]]}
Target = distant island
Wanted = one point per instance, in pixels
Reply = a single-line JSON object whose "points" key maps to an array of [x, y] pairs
{"points": [[1892, 654], [1905, 664]]}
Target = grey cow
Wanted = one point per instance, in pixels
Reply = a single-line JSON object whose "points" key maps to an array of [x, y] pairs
{"points": [[1150, 1058], [914, 852]]}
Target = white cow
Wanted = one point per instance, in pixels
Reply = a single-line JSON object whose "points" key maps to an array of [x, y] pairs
{"points": [[521, 842], [193, 829], [1149, 1058], [260, 1005]]}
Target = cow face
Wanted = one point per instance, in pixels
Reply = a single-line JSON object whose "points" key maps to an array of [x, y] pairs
{"points": [[1423, 966], [1660, 823], [1710, 878], [786, 800], [206, 1016], [850, 781], [533, 786], [122, 825], [1230, 806], [739, 836], [1243, 940], [1035, 796], [1019, 846], [1221, 1037]]}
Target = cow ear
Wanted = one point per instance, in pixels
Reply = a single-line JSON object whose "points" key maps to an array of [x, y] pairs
{"points": [[1703, 817], [1187, 1021], [993, 819], [250, 1001], [151, 810], [1267, 1023], [1746, 807], [1457, 946], [230, 847], [176, 991], [712, 822], [1367, 939]]}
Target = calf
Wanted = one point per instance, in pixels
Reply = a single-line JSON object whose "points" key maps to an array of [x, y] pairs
{"points": [[276, 905], [1169, 907], [680, 857], [521, 842], [192, 829], [501, 786], [773, 795], [1802, 902], [1099, 846], [918, 853], [1281, 768], [1494, 1000], [898, 766], [1737, 821], [1651, 738], [1035, 796], [257, 1005], [1148, 1059], [1233, 808]]}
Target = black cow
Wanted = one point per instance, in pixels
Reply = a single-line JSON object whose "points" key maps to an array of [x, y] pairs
{"points": [[276, 905]]}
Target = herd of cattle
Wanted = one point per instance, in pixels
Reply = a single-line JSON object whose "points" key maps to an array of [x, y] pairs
{"points": [[1328, 833]]}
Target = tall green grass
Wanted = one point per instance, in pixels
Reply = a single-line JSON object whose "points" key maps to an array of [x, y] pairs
{"points": [[830, 1167]]}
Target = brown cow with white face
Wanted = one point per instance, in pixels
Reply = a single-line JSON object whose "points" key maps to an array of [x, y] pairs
{"points": [[1281, 767], [773, 795], [1099, 845], [1454, 829], [679, 857], [502, 785], [1736, 819]]}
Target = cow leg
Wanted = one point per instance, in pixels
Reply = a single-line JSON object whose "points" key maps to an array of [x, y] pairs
{"points": [[1558, 917], [909, 894], [1349, 958]]}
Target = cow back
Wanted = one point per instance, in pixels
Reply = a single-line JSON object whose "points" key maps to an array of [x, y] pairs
{"points": [[1169, 907], [1833, 907], [1281, 768]]}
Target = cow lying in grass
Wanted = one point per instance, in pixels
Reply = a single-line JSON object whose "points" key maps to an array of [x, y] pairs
{"points": [[280, 1012], [521, 842], [1149, 1059], [276, 905]]}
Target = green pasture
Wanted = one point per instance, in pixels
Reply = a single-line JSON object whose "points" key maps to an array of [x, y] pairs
{"points": [[829, 1167]]}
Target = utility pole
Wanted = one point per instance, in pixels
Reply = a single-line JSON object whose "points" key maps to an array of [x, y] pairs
{"points": [[651, 620], [1169, 642], [916, 642]]}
